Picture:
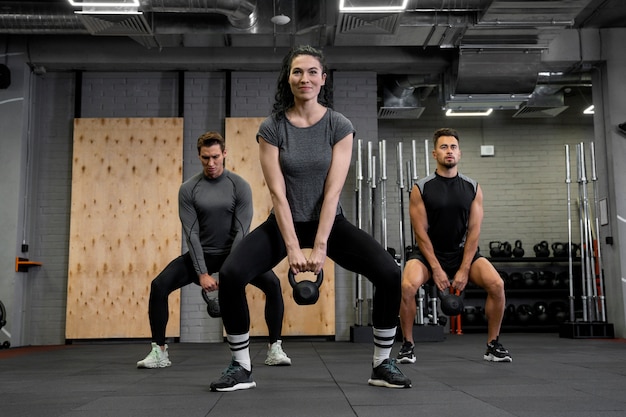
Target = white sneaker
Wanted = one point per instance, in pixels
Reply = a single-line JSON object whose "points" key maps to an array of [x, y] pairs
{"points": [[276, 356], [157, 358]]}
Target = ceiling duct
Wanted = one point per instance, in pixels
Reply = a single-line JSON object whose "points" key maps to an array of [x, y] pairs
{"points": [[242, 14], [548, 99], [402, 96], [481, 71], [542, 105], [44, 17], [35, 18]]}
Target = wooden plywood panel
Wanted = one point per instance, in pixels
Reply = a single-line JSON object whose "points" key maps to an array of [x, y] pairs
{"points": [[318, 319], [124, 225]]}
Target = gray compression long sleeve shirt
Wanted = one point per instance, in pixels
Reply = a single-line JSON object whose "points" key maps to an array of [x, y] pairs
{"points": [[215, 214]]}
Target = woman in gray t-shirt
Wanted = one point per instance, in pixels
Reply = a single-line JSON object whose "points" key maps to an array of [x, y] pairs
{"points": [[305, 152]]}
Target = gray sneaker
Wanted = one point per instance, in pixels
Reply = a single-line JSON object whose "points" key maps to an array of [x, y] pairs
{"points": [[276, 356], [157, 358]]}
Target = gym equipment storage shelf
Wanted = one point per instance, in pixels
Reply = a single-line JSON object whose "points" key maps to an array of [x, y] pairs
{"points": [[537, 290]]}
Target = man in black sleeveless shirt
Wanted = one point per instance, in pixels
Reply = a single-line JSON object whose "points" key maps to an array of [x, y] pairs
{"points": [[446, 210]]}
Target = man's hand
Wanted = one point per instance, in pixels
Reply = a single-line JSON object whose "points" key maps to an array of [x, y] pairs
{"points": [[460, 280], [208, 283], [441, 279]]}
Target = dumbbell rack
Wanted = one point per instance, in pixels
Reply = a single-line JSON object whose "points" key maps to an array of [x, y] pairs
{"points": [[515, 272]]}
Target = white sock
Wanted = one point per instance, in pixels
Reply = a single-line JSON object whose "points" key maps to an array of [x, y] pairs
{"points": [[239, 345], [383, 343]]}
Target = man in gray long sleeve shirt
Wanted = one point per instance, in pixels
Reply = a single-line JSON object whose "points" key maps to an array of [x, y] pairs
{"points": [[215, 209]]}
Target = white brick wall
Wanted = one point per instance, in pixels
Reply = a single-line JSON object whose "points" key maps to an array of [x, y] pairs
{"points": [[525, 195]]}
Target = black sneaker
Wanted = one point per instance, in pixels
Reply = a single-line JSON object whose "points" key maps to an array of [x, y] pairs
{"points": [[496, 352], [406, 354], [234, 378], [388, 375]]}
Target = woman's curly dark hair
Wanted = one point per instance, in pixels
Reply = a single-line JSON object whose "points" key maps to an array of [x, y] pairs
{"points": [[283, 99]]}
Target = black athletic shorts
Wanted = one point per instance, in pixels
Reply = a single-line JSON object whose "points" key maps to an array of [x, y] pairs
{"points": [[449, 261]]}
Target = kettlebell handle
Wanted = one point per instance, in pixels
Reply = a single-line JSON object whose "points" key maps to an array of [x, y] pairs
{"points": [[457, 293], [305, 292], [292, 278]]}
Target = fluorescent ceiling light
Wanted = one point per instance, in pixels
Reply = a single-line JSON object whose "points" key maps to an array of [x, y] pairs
{"points": [[483, 113], [110, 3], [589, 110], [372, 6], [107, 11]]}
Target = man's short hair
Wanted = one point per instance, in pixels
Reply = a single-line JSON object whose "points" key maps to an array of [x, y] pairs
{"points": [[444, 131], [210, 139]]}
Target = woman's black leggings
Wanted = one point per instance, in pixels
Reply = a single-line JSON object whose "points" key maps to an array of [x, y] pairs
{"points": [[181, 272], [348, 246]]}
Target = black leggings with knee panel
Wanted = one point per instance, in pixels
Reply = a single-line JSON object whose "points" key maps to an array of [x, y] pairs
{"points": [[348, 246]]}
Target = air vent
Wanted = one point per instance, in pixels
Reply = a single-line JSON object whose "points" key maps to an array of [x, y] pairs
{"points": [[116, 25], [363, 23], [528, 112], [400, 112]]}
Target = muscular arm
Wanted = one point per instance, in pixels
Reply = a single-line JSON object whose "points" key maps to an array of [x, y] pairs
{"points": [[335, 180], [242, 217], [191, 228], [419, 220], [471, 240], [270, 164]]}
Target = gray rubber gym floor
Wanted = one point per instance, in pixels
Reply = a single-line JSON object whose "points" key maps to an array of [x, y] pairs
{"points": [[549, 376]]}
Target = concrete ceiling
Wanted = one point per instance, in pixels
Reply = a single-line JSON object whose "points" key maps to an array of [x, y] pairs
{"points": [[490, 49]]}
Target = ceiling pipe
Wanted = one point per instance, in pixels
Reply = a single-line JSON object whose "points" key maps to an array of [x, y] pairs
{"points": [[549, 84], [242, 14], [44, 18], [28, 18]]}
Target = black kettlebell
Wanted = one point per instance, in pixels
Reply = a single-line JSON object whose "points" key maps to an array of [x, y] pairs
{"points": [[559, 250], [545, 278], [451, 304], [516, 279], [530, 279], [469, 315], [305, 292], [505, 250], [524, 314], [495, 250], [212, 305], [542, 249], [509, 314], [557, 311], [518, 251], [541, 311]]}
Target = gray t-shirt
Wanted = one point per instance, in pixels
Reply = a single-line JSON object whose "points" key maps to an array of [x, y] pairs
{"points": [[215, 213], [305, 155]]}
